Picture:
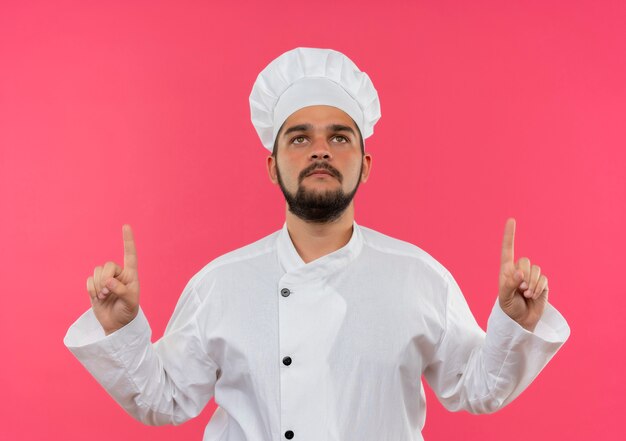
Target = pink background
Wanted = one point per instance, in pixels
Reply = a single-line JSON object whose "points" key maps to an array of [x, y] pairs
{"points": [[137, 112]]}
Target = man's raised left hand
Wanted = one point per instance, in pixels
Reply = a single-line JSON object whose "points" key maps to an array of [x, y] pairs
{"points": [[523, 293]]}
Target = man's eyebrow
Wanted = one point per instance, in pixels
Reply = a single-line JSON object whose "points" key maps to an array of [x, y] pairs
{"points": [[340, 128], [298, 128], [331, 127]]}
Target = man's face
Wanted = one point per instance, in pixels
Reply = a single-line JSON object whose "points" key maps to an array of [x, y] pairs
{"points": [[318, 164]]}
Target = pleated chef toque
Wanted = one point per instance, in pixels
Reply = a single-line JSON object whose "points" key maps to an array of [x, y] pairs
{"points": [[305, 77]]}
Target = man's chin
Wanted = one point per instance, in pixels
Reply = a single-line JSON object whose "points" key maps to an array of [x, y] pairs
{"points": [[319, 215], [320, 184], [319, 193]]}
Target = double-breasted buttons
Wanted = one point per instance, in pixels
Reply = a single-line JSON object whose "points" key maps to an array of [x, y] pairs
{"points": [[287, 360]]}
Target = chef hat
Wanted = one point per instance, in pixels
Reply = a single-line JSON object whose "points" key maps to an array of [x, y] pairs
{"points": [[305, 77]]}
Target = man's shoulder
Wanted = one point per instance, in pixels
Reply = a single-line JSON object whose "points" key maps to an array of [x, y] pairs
{"points": [[401, 250], [250, 255]]}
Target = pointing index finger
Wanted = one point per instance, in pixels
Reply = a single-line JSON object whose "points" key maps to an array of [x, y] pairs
{"points": [[507, 241], [130, 253]]}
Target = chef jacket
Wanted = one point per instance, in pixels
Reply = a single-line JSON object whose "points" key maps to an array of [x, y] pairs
{"points": [[333, 349]]}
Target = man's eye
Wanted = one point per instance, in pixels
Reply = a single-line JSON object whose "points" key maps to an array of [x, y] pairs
{"points": [[296, 138], [343, 138]]}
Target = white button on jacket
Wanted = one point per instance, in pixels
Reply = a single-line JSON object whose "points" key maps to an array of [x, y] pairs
{"points": [[330, 350]]}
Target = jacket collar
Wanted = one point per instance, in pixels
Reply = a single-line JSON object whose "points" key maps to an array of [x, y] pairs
{"points": [[297, 270]]}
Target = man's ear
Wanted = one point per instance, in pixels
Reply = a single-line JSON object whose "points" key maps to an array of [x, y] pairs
{"points": [[271, 169], [367, 167]]}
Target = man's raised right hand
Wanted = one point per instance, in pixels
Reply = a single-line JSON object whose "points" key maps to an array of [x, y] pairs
{"points": [[114, 291]]}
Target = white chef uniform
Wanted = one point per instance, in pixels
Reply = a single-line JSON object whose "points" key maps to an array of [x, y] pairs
{"points": [[330, 350]]}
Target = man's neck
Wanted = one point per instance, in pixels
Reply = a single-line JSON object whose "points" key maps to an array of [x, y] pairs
{"points": [[313, 240]]}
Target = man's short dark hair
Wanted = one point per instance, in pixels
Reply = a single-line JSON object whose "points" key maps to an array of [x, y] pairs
{"points": [[275, 148]]}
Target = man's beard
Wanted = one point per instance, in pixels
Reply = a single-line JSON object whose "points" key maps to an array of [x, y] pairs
{"points": [[318, 207]]}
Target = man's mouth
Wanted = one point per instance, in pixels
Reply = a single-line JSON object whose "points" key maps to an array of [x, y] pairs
{"points": [[320, 172]]}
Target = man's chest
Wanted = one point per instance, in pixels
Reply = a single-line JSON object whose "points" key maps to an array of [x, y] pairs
{"points": [[334, 326]]}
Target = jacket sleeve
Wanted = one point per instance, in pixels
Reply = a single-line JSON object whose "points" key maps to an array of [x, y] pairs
{"points": [[168, 382], [483, 372]]}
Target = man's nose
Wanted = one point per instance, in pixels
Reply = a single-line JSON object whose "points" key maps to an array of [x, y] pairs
{"points": [[320, 149]]}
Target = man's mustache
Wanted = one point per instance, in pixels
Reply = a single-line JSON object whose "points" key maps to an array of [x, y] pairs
{"points": [[317, 166]]}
